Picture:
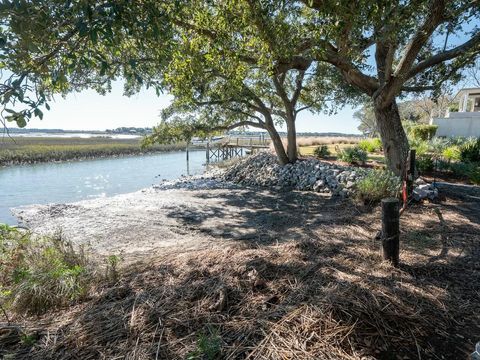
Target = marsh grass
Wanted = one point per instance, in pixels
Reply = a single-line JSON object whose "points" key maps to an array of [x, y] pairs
{"points": [[23, 150], [40, 273]]}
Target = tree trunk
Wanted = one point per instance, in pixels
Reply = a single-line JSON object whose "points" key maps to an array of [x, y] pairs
{"points": [[278, 145], [291, 141], [394, 139]]}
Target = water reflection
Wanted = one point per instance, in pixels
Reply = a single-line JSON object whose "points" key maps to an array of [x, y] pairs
{"points": [[73, 181]]}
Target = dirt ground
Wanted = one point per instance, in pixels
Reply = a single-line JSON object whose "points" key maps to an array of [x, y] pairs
{"points": [[253, 274]]}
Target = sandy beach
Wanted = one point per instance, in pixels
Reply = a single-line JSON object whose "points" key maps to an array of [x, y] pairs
{"points": [[196, 214]]}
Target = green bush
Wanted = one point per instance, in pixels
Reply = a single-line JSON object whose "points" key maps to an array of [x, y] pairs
{"points": [[437, 145], [421, 146], [425, 163], [376, 185], [470, 150], [474, 174], [37, 274], [468, 170], [453, 108], [321, 151], [370, 145], [459, 140], [208, 346], [451, 153], [423, 132], [353, 155]]}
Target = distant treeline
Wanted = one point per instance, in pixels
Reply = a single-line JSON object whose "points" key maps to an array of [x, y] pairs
{"points": [[52, 131], [299, 134], [130, 130], [148, 130], [119, 130]]}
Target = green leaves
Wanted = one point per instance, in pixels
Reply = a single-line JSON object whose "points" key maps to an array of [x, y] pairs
{"points": [[18, 118]]}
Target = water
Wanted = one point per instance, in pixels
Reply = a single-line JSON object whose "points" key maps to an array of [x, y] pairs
{"points": [[73, 181]]}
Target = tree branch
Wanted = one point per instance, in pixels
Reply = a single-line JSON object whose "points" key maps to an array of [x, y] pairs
{"points": [[236, 125], [302, 108], [434, 18], [419, 88], [474, 42], [284, 96], [298, 89], [247, 114]]}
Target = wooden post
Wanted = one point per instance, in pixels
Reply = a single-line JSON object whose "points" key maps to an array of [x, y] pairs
{"points": [[391, 230], [411, 171], [188, 142], [208, 151]]}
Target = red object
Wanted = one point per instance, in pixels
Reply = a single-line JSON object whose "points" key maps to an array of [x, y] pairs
{"points": [[404, 192]]}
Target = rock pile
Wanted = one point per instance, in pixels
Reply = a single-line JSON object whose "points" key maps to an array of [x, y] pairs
{"points": [[422, 190], [262, 169], [210, 180]]}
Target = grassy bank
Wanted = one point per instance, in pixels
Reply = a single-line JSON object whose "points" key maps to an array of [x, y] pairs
{"points": [[22, 150]]}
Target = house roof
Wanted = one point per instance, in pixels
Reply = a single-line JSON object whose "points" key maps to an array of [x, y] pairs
{"points": [[467, 91]]}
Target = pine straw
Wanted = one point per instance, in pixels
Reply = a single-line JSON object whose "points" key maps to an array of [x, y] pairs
{"points": [[327, 297], [279, 304]]}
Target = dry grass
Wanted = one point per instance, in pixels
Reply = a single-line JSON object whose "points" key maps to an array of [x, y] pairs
{"points": [[325, 296], [326, 140], [308, 150], [306, 145]]}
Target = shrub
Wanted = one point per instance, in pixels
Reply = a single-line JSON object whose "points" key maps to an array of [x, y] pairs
{"points": [[474, 174], [352, 155], [321, 151], [468, 170], [208, 346], [423, 132], [458, 140], [470, 150], [370, 145], [453, 108], [421, 146], [425, 163], [437, 146], [40, 273], [376, 185], [451, 153]]}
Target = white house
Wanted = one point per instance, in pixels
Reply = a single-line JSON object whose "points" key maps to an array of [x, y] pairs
{"points": [[464, 122]]}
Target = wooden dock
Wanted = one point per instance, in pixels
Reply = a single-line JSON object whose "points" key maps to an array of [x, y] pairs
{"points": [[235, 147]]}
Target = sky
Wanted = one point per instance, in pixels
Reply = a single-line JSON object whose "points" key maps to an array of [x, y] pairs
{"points": [[88, 110]]}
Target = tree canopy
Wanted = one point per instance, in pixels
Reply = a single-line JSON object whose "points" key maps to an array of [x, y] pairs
{"points": [[388, 48], [219, 58]]}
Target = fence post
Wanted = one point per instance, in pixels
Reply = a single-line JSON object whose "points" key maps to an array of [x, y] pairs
{"points": [[391, 230], [208, 151], [411, 171]]}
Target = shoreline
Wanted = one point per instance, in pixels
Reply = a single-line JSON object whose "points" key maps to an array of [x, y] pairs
{"points": [[135, 224], [95, 157]]}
